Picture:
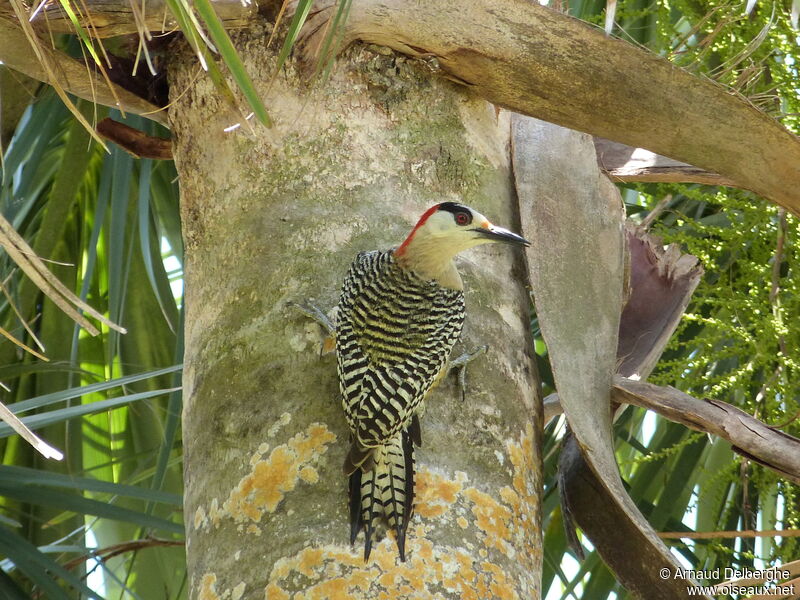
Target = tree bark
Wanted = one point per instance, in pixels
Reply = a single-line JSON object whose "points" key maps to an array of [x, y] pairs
{"points": [[278, 217]]}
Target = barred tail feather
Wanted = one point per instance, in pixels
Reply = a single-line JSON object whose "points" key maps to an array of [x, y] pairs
{"points": [[356, 524], [387, 490]]}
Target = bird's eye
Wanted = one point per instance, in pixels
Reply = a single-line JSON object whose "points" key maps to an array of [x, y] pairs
{"points": [[463, 218]]}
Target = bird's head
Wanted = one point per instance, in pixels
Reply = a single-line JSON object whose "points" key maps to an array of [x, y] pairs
{"points": [[443, 231], [451, 227]]}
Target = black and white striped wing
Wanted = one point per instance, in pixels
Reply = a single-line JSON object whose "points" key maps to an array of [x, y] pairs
{"points": [[394, 336]]}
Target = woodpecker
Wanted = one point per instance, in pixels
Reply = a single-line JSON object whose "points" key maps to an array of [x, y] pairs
{"points": [[399, 315]]}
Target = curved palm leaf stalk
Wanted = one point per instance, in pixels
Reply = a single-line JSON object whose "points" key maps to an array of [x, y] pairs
{"points": [[522, 56], [660, 287], [577, 253]]}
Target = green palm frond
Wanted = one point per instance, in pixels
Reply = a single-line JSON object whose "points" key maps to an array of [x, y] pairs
{"points": [[111, 402]]}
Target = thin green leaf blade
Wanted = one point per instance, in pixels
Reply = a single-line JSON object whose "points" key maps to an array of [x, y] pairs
{"points": [[87, 42], [232, 60], [71, 393], [73, 412], [38, 567], [87, 506], [299, 18], [22, 476]]}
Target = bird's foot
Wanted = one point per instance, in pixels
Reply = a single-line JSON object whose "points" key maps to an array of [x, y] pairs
{"points": [[461, 363], [314, 313]]}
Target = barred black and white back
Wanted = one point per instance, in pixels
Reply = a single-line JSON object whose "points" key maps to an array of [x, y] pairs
{"points": [[394, 335]]}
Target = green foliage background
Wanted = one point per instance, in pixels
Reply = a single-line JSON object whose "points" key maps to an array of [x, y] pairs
{"points": [[103, 217], [738, 341]]}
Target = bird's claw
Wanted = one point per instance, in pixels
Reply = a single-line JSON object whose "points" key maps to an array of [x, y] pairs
{"points": [[314, 313], [461, 363]]}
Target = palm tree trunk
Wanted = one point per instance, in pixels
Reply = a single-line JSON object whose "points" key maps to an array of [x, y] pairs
{"points": [[276, 216]]}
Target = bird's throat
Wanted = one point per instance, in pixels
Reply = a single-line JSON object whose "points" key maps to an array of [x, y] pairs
{"points": [[430, 262]]}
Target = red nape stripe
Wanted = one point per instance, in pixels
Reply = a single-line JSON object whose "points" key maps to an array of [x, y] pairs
{"points": [[401, 250]]}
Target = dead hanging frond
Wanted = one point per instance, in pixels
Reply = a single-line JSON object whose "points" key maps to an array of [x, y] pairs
{"points": [[25, 324], [33, 266], [198, 20], [144, 36], [679, 47], [705, 44], [25, 433], [77, 15], [742, 74], [12, 338]]}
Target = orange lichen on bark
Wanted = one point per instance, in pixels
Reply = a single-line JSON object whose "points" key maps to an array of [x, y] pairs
{"points": [[214, 514], [271, 478], [208, 588], [500, 586], [493, 518], [273, 592], [309, 475], [523, 499], [465, 567], [498, 528], [435, 494], [525, 471], [310, 559], [331, 574]]}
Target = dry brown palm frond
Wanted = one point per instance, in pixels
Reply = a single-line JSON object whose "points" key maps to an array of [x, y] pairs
{"points": [[25, 433], [44, 59], [27, 260], [695, 30], [25, 323]]}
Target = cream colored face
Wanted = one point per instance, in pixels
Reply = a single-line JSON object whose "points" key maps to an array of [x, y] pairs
{"points": [[465, 228]]}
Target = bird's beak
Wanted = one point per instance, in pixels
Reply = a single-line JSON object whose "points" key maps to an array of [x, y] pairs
{"points": [[493, 233]]}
